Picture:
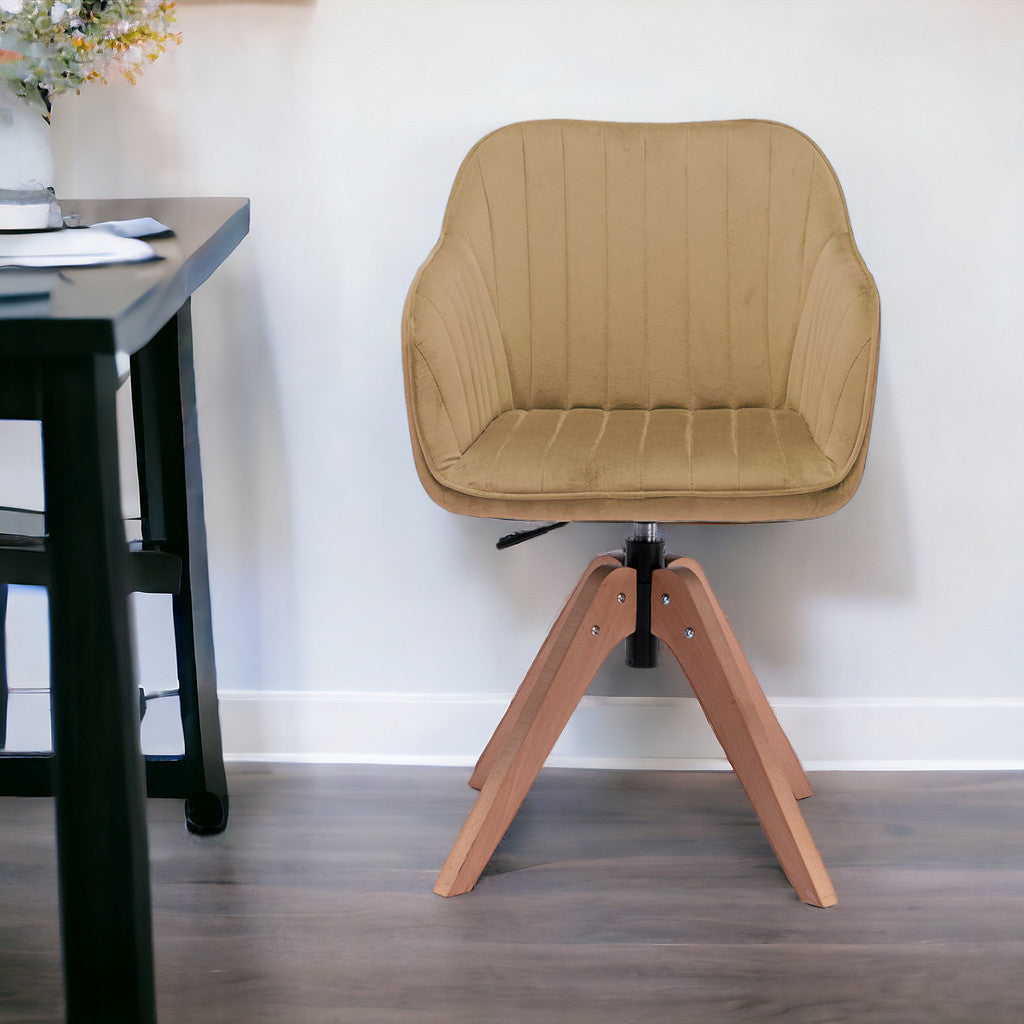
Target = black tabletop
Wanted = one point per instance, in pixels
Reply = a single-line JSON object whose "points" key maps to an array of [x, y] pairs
{"points": [[119, 308]]}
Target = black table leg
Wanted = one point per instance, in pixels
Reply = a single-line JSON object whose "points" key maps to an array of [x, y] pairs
{"points": [[3, 665], [171, 491], [98, 782]]}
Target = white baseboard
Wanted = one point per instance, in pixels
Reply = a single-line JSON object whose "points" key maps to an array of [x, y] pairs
{"points": [[619, 732]]}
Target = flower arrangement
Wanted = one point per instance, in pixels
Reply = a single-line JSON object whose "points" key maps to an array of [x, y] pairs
{"points": [[52, 46]]}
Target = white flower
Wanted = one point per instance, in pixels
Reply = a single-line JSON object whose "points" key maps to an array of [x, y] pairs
{"points": [[11, 6], [57, 11]]}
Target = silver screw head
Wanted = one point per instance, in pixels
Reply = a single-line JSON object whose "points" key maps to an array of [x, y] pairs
{"points": [[689, 634], [665, 599], [596, 630], [621, 598]]}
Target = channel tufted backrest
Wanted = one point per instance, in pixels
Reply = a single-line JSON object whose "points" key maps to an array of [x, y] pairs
{"points": [[634, 266]]}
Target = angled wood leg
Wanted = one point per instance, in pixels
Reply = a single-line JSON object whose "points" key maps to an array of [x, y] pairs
{"points": [[602, 614], [780, 741], [485, 763], [708, 658]]}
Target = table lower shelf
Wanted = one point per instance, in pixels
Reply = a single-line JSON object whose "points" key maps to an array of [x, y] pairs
{"points": [[167, 775]]}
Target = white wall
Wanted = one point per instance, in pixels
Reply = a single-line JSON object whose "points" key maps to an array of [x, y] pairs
{"points": [[353, 617]]}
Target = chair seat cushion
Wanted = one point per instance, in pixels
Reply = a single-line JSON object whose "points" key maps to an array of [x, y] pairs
{"points": [[634, 453]]}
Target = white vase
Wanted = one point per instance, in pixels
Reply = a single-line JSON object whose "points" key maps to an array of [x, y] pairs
{"points": [[26, 166]]}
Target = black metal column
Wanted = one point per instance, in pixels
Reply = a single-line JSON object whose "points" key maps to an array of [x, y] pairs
{"points": [[645, 552]]}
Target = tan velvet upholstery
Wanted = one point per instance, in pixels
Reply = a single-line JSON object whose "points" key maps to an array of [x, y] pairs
{"points": [[642, 322]]}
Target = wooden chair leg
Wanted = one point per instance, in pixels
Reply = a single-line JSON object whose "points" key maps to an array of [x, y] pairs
{"points": [[485, 763], [780, 741], [602, 614], [691, 625]]}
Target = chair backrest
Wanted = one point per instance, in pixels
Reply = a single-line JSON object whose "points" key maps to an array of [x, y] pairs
{"points": [[646, 265]]}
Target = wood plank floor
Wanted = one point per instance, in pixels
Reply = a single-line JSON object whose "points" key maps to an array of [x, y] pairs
{"points": [[615, 898]]}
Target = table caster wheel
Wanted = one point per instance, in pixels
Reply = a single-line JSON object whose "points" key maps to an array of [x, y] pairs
{"points": [[206, 815]]}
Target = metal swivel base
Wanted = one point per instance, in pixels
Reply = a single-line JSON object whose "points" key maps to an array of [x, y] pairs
{"points": [[645, 554]]}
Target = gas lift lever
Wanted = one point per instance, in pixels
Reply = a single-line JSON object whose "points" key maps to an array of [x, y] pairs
{"points": [[520, 536]]}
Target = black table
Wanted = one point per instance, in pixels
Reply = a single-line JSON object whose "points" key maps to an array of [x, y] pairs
{"points": [[59, 365]]}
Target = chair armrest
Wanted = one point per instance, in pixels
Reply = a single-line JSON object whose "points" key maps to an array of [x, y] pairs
{"points": [[835, 355], [456, 373]]}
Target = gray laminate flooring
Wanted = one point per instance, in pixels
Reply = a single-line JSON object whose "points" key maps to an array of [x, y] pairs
{"points": [[616, 897]]}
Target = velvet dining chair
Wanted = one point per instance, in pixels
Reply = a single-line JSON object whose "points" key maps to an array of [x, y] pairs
{"points": [[645, 323]]}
